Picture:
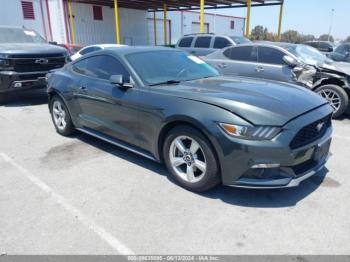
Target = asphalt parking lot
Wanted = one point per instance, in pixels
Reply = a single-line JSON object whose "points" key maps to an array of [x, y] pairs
{"points": [[79, 195]]}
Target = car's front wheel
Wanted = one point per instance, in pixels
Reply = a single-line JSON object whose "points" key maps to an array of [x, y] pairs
{"points": [[191, 159], [61, 117], [337, 98]]}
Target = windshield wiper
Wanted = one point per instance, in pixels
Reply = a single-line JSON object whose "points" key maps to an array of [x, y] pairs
{"points": [[169, 82]]}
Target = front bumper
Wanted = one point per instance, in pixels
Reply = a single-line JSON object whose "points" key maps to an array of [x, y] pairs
{"points": [[292, 180], [273, 164], [13, 81]]}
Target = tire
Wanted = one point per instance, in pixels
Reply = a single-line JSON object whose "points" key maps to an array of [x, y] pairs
{"points": [[337, 97], [205, 173], [60, 117]]}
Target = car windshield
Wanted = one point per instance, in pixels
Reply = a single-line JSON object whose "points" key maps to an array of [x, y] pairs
{"points": [[240, 40], [18, 35], [155, 67], [307, 54]]}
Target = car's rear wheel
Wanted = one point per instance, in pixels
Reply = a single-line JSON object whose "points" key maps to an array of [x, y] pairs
{"points": [[191, 159], [61, 117], [336, 96]]}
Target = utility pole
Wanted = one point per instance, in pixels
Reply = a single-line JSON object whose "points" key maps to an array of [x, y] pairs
{"points": [[331, 25]]}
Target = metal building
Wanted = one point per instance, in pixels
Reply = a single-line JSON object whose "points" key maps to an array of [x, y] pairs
{"points": [[132, 22], [187, 22]]}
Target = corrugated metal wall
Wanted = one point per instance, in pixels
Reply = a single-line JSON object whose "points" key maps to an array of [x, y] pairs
{"points": [[186, 22], [160, 31], [89, 31], [11, 15], [58, 26]]}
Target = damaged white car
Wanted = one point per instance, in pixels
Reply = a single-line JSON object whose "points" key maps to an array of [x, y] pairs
{"points": [[287, 62]]}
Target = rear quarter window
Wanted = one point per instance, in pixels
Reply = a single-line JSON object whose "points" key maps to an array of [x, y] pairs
{"points": [[89, 50]]}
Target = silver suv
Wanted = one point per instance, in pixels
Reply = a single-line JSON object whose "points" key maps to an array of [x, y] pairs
{"points": [[204, 44]]}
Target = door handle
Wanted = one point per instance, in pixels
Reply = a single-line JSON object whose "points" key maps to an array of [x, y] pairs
{"points": [[259, 69], [223, 65], [83, 88]]}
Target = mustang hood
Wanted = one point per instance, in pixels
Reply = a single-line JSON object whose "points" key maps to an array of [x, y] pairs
{"points": [[259, 102]]}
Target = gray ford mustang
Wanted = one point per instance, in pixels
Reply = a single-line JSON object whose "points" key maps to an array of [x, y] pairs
{"points": [[171, 107]]}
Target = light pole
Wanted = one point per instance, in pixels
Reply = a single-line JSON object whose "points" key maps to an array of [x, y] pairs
{"points": [[331, 25]]}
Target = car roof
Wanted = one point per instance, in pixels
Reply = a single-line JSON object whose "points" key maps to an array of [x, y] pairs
{"points": [[125, 50], [267, 43], [210, 34], [109, 45], [105, 45], [200, 34]]}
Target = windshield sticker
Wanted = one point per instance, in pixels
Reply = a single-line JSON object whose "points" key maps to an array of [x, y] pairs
{"points": [[196, 59], [30, 33]]}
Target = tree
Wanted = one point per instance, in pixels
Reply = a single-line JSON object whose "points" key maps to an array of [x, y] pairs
{"points": [[306, 38], [258, 33], [271, 37], [262, 33], [347, 40], [324, 37], [291, 36]]}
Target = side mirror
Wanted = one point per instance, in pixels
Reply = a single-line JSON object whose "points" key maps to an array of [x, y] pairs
{"points": [[347, 54], [118, 80], [53, 43], [290, 61]]}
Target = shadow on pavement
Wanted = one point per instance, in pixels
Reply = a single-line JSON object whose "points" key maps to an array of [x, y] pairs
{"points": [[276, 198], [124, 154], [26, 98], [270, 198]]}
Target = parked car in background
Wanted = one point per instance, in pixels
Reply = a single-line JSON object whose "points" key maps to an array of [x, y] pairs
{"points": [[72, 48], [341, 53], [172, 107], [325, 47], [25, 59], [92, 48], [288, 63], [204, 44]]}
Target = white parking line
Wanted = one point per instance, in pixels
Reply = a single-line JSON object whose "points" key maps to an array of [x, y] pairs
{"points": [[89, 223]]}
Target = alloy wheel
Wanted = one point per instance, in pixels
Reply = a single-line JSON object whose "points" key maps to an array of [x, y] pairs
{"points": [[187, 159], [59, 115], [332, 97]]}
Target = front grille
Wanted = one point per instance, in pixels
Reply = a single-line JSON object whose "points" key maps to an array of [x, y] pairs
{"points": [[38, 55], [311, 132], [34, 64]]}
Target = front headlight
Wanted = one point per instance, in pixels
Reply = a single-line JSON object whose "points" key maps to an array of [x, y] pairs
{"points": [[251, 132]]}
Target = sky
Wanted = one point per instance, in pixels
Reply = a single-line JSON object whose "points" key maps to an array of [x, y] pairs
{"points": [[305, 16]]}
